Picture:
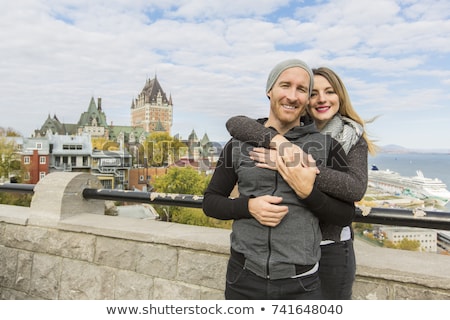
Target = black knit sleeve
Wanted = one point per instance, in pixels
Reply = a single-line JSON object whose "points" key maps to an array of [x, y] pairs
{"points": [[216, 201], [346, 180], [250, 130], [328, 209]]}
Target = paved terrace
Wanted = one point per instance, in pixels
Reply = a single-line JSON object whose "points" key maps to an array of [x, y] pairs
{"points": [[64, 247]]}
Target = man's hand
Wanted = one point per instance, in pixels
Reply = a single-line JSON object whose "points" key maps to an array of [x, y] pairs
{"points": [[266, 210]]}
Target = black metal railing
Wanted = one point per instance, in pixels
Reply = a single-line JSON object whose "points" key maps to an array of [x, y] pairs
{"points": [[419, 218], [17, 187]]}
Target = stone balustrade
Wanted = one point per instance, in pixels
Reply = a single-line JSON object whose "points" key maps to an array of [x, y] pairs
{"points": [[64, 247]]}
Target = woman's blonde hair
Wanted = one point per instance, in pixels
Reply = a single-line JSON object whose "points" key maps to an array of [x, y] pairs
{"points": [[345, 105]]}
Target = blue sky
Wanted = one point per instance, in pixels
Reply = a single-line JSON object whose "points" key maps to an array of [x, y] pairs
{"points": [[213, 57]]}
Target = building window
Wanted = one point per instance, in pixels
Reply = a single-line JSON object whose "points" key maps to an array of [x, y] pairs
{"points": [[42, 160], [26, 160], [41, 175], [38, 145], [72, 147], [27, 176]]}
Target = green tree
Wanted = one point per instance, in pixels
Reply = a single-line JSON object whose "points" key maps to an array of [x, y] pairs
{"points": [[359, 227], [389, 244], [197, 217], [185, 180], [10, 164], [15, 199], [9, 132], [406, 244], [161, 149]]}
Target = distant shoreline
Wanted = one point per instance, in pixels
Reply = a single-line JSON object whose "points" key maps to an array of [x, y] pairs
{"points": [[445, 152], [395, 149]]}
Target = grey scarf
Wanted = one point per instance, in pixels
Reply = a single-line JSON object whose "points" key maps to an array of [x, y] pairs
{"points": [[345, 130]]}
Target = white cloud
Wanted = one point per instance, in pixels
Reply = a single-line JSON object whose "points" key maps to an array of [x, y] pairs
{"points": [[213, 57]]}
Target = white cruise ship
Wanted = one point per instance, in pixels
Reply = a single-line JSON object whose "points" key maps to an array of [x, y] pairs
{"points": [[417, 187]]}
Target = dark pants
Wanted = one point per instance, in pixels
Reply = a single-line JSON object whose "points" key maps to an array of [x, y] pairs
{"points": [[245, 285], [337, 270]]}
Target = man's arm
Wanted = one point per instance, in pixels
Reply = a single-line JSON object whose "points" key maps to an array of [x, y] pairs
{"points": [[216, 201]]}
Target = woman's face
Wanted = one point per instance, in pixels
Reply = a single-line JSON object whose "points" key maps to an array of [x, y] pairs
{"points": [[324, 102]]}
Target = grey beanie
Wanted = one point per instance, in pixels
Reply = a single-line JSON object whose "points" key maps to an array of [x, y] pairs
{"points": [[291, 63]]}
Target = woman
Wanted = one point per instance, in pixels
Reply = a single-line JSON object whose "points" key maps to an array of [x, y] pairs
{"points": [[333, 114]]}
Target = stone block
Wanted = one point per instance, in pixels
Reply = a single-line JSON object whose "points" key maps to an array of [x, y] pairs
{"points": [[45, 278], [409, 292], [52, 241], [116, 253], [133, 286], [370, 290], [157, 260], [24, 268], [212, 294], [8, 266], [202, 268], [10, 294], [175, 290], [86, 281]]}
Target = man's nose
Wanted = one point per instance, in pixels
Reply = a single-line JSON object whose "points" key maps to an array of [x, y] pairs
{"points": [[292, 94]]}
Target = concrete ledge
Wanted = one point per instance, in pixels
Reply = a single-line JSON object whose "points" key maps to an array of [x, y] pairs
{"points": [[14, 214], [401, 264], [168, 233], [384, 273]]}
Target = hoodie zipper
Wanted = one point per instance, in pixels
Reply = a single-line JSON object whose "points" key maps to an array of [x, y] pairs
{"points": [[270, 231]]}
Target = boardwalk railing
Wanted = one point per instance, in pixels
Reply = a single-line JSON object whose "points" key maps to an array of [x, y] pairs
{"points": [[419, 218]]}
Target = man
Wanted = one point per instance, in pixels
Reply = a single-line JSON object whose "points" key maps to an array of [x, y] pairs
{"points": [[275, 241]]}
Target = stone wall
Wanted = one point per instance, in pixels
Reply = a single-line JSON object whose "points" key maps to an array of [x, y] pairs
{"points": [[64, 247]]}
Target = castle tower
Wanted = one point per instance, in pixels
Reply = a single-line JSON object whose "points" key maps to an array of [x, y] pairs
{"points": [[152, 110]]}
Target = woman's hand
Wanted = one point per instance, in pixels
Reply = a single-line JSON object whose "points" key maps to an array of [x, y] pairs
{"points": [[293, 155], [264, 158], [301, 179]]}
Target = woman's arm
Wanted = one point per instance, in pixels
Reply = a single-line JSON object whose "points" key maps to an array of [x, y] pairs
{"points": [[349, 185], [249, 130]]}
